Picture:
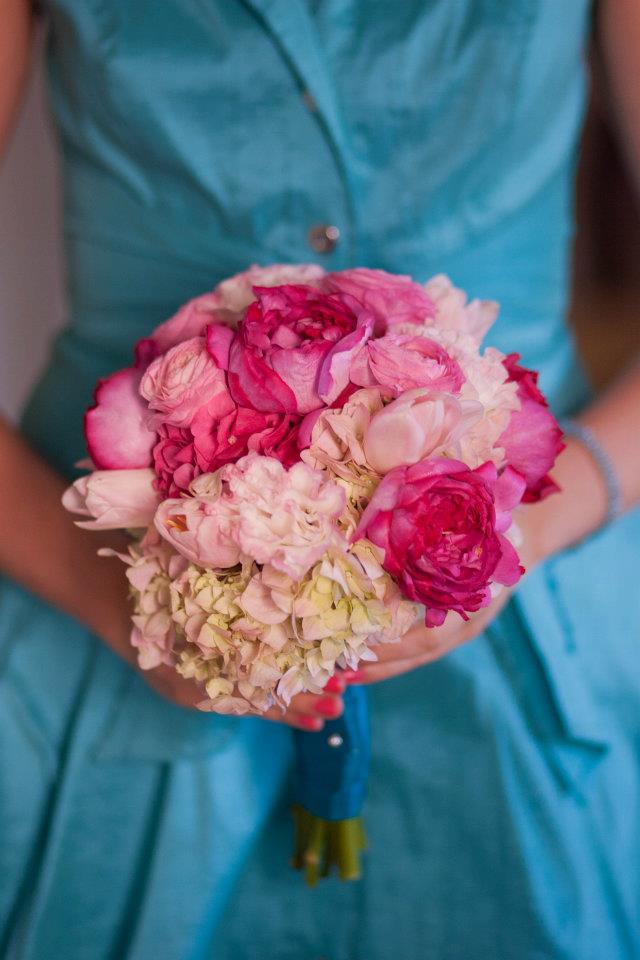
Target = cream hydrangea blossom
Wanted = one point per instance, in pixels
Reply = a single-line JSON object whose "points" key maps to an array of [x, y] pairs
{"points": [[152, 567], [256, 637], [344, 606]]}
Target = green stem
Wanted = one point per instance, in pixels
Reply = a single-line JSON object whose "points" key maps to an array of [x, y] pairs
{"points": [[321, 845]]}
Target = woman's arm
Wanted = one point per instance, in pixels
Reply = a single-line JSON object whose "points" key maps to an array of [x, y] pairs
{"points": [[16, 36], [40, 547]]}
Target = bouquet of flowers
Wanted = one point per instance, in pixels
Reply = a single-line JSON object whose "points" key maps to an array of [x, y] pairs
{"points": [[307, 463]]}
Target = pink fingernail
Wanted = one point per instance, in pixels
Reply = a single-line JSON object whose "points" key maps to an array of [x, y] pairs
{"points": [[311, 723], [353, 676], [336, 684], [328, 706]]}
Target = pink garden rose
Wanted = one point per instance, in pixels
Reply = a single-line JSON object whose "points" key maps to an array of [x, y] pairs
{"points": [[115, 427], [400, 362], [221, 432], [441, 527], [113, 499], [293, 350], [391, 298], [532, 439], [179, 382], [418, 425]]}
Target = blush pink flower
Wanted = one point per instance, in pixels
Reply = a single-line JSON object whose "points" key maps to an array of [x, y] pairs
{"points": [[391, 298], [255, 509], [190, 321], [202, 527], [114, 499], [532, 439], [178, 383], [115, 428], [418, 425], [400, 362], [221, 432], [293, 349], [286, 518], [441, 527], [452, 312]]}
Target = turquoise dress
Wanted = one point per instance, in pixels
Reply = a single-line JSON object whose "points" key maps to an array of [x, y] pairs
{"points": [[437, 135]]}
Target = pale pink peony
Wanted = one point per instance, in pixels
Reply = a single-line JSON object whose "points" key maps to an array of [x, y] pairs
{"points": [[452, 312], [486, 382], [418, 425], [284, 517], [115, 499], [390, 297], [400, 362], [202, 527], [181, 381], [115, 427], [255, 508]]}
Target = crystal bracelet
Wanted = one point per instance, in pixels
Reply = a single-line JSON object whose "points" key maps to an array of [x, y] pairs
{"points": [[588, 440]]}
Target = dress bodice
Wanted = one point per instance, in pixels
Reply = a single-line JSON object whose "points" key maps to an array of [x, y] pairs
{"points": [[199, 137]]}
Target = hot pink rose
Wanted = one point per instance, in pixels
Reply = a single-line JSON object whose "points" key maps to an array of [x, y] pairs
{"points": [[293, 349], [400, 362], [389, 297], [180, 381], [221, 432], [533, 439], [441, 528]]}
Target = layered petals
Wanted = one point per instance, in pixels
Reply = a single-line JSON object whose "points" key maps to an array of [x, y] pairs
{"points": [[113, 499], [532, 440], [418, 425], [115, 427], [436, 523], [400, 362]]}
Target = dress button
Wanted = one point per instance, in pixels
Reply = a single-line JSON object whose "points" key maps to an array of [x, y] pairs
{"points": [[323, 238]]}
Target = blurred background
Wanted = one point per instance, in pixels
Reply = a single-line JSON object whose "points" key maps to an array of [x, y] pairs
{"points": [[606, 290]]}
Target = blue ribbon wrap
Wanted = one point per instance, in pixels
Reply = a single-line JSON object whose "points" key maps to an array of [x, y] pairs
{"points": [[331, 780]]}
